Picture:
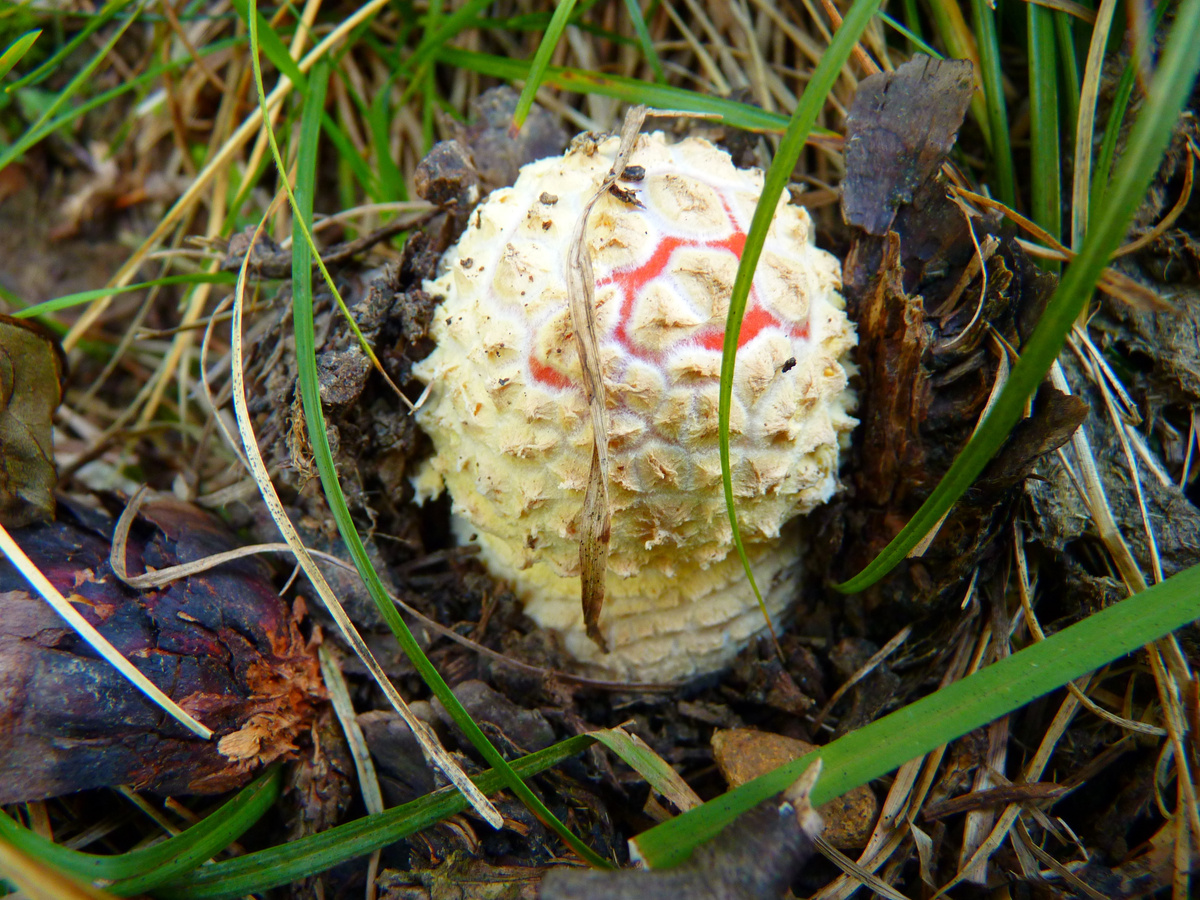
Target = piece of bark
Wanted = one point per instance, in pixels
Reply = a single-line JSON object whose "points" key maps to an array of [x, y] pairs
{"points": [[896, 138], [937, 291], [221, 644]]}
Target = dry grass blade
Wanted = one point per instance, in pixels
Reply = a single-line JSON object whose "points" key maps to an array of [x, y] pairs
{"points": [[343, 707], [1025, 591], [1055, 866], [595, 518], [430, 746], [1112, 282], [906, 795], [857, 872], [94, 638], [1087, 121], [1070, 7]]}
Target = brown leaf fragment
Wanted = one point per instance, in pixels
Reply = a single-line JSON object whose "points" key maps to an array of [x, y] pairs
{"points": [[900, 128], [222, 644], [755, 858], [742, 754], [31, 371], [1056, 416]]}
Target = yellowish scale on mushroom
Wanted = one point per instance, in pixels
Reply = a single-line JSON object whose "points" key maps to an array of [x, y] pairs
{"points": [[512, 431]]}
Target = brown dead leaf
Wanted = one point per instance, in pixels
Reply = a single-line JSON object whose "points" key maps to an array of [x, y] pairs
{"points": [[31, 371], [896, 138], [743, 754]]}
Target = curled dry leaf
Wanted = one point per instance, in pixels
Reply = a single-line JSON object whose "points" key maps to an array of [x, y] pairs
{"points": [[31, 371], [222, 644]]}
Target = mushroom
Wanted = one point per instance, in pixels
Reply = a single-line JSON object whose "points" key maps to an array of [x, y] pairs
{"points": [[511, 427]]}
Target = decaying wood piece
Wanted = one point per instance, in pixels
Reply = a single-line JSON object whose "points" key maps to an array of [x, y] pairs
{"points": [[940, 293], [755, 857], [222, 644]]}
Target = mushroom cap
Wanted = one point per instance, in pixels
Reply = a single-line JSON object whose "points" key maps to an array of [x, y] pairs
{"points": [[512, 431]]}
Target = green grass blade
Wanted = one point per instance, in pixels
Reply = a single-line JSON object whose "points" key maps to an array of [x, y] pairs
{"points": [[349, 156], [50, 66], [38, 133], [1045, 164], [886, 744], [379, 124], [16, 51], [1112, 128], [316, 853], [1167, 94], [169, 858], [272, 46], [1064, 26], [644, 39], [541, 59], [993, 95], [302, 259], [916, 42], [774, 184], [912, 15], [658, 96], [69, 300], [28, 139]]}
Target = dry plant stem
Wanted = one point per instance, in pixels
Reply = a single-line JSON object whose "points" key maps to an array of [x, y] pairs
{"points": [[595, 518], [183, 341], [1168, 220], [433, 750], [1022, 833], [95, 639], [869, 65], [249, 127], [980, 821]]}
